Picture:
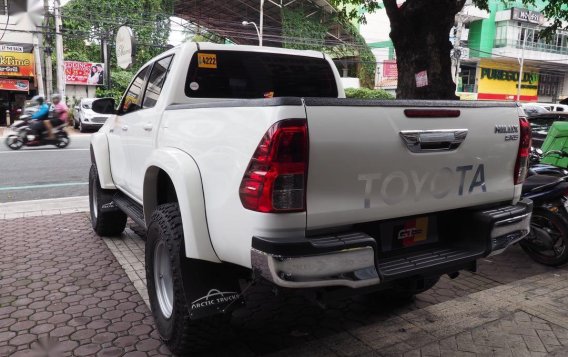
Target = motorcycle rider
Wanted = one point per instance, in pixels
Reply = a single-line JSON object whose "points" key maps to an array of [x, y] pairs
{"points": [[39, 116], [61, 115]]}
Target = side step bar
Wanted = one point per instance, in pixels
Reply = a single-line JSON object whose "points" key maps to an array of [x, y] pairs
{"points": [[132, 208]]}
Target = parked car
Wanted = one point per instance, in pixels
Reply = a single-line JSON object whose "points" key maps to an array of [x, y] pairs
{"points": [[86, 119], [540, 124], [532, 109], [248, 164], [552, 107]]}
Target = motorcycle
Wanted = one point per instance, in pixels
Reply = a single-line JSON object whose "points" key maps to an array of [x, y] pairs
{"points": [[22, 135], [547, 187]]}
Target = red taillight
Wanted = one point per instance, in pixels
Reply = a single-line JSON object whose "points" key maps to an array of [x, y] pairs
{"points": [[275, 180], [521, 166]]}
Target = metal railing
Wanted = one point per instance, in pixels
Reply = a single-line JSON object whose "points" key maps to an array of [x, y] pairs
{"points": [[532, 46]]}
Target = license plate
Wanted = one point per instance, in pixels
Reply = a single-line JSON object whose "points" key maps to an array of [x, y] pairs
{"points": [[408, 233]]}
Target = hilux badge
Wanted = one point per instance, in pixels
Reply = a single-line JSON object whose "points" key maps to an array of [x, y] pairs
{"points": [[506, 129], [511, 131]]}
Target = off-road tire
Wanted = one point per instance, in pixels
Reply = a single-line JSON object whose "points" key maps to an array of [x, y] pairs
{"points": [[181, 334], [109, 223]]}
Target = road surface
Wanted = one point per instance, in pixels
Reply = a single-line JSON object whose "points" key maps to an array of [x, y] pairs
{"points": [[44, 172]]}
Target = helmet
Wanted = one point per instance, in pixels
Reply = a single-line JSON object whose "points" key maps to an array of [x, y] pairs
{"points": [[38, 99], [55, 96]]}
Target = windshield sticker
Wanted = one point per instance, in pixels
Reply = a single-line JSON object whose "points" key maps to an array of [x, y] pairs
{"points": [[207, 60], [194, 86]]}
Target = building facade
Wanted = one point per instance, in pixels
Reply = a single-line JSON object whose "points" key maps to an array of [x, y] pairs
{"points": [[509, 35], [20, 57]]}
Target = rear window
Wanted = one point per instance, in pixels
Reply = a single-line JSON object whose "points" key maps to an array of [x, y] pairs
{"points": [[248, 75]]}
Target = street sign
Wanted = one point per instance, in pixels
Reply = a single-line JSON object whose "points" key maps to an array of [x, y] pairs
{"points": [[124, 47]]}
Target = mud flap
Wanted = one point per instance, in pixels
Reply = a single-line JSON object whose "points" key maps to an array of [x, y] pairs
{"points": [[109, 207], [210, 288]]}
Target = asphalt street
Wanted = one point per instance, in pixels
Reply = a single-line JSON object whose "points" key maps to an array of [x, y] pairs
{"points": [[44, 172]]}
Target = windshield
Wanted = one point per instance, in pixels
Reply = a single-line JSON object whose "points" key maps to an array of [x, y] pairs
{"points": [[231, 74]]}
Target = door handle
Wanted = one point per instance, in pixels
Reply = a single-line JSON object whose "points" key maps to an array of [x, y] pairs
{"points": [[148, 126], [124, 127], [419, 141]]}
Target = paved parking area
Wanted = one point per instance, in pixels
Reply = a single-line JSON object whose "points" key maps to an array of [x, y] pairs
{"points": [[62, 289]]}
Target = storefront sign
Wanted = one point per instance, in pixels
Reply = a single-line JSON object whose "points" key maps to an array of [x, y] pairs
{"points": [[16, 64], [525, 15], [21, 85], [390, 69], [498, 80], [124, 47], [84, 73], [16, 47], [11, 48]]}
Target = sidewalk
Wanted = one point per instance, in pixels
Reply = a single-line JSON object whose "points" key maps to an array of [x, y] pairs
{"points": [[86, 295], [44, 207]]}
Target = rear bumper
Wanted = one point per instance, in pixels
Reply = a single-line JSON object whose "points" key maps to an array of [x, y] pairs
{"points": [[352, 259]]}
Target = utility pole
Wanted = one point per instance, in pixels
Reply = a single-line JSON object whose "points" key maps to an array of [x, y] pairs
{"points": [[457, 46], [39, 70], [47, 52], [522, 63], [106, 60], [59, 50], [261, 22]]}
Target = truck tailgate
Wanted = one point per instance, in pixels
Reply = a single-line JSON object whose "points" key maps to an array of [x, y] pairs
{"points": [[365, 164]]}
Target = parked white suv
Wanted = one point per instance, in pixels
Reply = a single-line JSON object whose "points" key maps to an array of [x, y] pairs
{"points": [[247, 164], [86, 119]]}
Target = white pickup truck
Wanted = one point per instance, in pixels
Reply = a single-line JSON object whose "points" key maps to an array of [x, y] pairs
{"points": [[247, 163]]}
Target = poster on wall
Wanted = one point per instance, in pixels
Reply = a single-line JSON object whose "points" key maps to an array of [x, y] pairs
{"points": [[17, 64], [84, 73], [390, 69], [20, 85]]}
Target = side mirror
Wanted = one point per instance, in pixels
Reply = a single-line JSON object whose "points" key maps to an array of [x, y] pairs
{"points": [[77, 107], [104, 106]]}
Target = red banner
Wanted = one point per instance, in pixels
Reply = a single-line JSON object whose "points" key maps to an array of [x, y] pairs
{"points": [[84, 73], [389, 69], [20, 85]]}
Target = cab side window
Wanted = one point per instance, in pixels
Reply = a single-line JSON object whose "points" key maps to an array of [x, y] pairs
{"points": [[133, 98], [156, 81]]}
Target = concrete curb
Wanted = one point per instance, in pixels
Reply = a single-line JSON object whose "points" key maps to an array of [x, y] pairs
{"points": [[47, 207]]}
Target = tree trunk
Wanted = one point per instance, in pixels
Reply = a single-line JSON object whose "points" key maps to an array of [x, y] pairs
{"points": [[420, 32]]}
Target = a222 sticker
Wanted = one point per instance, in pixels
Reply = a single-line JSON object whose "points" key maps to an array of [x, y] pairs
{"points": [[206, 60]]}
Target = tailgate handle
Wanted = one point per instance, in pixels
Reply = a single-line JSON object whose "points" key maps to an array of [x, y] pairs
{"points": [[422, 141]]}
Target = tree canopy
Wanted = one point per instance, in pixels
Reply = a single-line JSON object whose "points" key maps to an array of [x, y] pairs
{"points": [[87, 22]]}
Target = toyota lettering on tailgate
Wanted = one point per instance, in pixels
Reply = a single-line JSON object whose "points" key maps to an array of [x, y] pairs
{"points": [[397, 186]]}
